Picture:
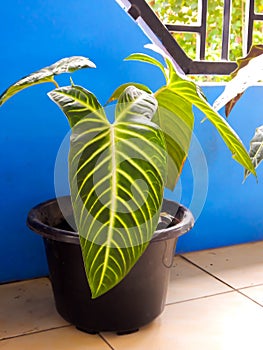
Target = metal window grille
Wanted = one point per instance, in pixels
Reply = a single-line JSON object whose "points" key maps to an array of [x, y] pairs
{"points": [[140, 11], [251, 17]]}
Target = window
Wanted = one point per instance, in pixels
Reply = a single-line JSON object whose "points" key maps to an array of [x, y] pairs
{"points": [[217, 31]]}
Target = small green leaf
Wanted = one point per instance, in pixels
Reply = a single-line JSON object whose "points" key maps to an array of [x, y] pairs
{"points": [[135, 103], [46, 75], [117, 93], [77, 103], [146, 58]]}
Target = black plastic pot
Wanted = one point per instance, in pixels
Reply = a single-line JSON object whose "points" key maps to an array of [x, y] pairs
{"points": [[135, 301]]}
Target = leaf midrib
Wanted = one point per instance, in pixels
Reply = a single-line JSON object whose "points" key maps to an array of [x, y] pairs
{"points": [[113, 202]]}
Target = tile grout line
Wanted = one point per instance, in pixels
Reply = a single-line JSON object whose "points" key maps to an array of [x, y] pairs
{"points": [[246, 296], [36, 332], [215, 294], [197, 298], [218, 279], [105, 340], [254, 285], [207, 272]]}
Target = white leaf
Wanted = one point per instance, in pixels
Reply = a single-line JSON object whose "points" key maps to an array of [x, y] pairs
{"points": [[247, 76]]}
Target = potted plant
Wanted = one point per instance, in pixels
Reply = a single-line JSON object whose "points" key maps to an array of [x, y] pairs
{"points": [[117, 280]]}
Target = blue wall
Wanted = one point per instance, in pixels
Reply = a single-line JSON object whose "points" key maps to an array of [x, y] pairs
{"points": [[36, 33]]}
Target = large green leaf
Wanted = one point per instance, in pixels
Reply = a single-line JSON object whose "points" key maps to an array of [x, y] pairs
{"points": [[175, 117], [256, 148], [191, 94], [117, 175], [46, 75]]}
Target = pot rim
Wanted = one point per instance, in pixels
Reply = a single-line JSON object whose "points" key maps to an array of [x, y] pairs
{"points": [[183, 214]]}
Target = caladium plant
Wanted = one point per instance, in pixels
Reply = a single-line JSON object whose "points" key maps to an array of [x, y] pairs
{"points": [[118, 171]]}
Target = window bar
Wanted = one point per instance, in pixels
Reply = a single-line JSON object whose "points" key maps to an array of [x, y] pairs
{"points": [[226, 30], [250, 13], [198, 29], [251, 17], [203, 28], [139, 8]]}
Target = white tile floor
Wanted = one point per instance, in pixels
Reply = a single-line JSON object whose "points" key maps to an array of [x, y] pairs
{"points": [[214, 302]]}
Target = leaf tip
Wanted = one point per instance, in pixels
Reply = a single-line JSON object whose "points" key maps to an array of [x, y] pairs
{"points": [[97, 291], [246, 175]]}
